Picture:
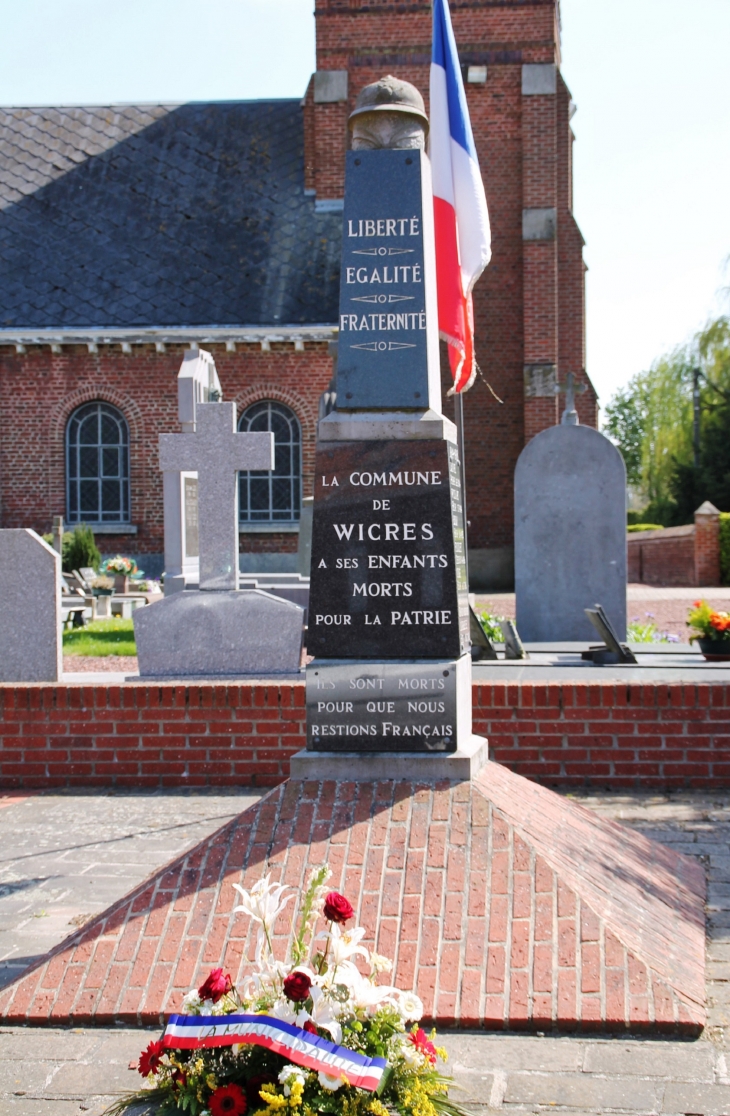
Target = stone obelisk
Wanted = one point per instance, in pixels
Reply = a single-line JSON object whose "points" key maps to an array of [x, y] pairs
{"points": [[388, 611]]}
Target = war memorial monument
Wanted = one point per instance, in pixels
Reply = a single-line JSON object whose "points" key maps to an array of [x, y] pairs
{"points": [[503, 904]]}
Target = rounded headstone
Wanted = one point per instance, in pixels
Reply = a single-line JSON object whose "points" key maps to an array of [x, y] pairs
{"points": [[570, 535]]}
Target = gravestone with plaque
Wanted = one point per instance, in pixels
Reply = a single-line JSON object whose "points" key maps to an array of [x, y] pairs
{"points": [[197, 382], [388, 609], [217, 629]]}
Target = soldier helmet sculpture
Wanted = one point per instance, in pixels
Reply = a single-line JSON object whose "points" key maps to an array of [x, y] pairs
{"points": [[389, 113]]}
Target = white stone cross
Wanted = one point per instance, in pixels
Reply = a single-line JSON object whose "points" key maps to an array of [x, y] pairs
{"points": [[216, 452], [570, 388]]}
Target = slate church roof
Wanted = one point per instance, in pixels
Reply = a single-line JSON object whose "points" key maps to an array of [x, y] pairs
{"points": [[162, 215]]}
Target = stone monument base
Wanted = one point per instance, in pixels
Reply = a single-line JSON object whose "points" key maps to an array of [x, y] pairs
{"points": [[467, 761], [408, 705], [385, 426], [203, 634], [503, 905]]}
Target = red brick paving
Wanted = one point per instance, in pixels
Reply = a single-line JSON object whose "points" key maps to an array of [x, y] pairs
{"points": [[503, 905]]}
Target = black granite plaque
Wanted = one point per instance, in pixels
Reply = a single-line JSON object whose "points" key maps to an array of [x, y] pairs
{"points": [[388, 335], [388, 571], [382, 707]]}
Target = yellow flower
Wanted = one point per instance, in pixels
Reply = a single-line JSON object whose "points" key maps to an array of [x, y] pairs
{"points": [[378, 1108], [273, 1100], [297, 1088]]}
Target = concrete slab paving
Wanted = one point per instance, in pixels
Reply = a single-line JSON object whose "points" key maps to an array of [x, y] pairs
{"points": [[67, 855], [55, 1072]]}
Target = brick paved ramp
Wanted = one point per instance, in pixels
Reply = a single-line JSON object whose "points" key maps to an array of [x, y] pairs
{"points": [[503, 904]]}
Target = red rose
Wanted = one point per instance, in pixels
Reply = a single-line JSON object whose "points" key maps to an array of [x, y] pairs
{"points": [[216, 986], [296, 987], [150, 1058], [228, 1100], [423, 1045], [337, 908], [179, 1079], [309, 1026], [255, 1084]]}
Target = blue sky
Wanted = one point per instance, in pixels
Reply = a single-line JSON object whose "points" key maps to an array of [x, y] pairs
{"points": [[652, 158]]}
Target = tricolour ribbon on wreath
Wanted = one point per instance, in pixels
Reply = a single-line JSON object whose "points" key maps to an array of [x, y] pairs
{"points": [[190, 1032]]}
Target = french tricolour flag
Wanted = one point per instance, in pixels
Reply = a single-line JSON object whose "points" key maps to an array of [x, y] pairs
{"points": [[463, 241]]}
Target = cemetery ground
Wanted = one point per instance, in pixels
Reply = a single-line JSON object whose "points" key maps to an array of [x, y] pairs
{"points": [[667, 608], [68, 855], [101, 645], [108, 645]]}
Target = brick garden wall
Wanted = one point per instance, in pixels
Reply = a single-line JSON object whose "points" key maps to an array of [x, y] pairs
{"points": [[602, 734], [688, 555]]}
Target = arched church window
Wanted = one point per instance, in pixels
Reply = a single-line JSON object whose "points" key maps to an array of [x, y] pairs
{"points": [[97, 465], [273, 497]]}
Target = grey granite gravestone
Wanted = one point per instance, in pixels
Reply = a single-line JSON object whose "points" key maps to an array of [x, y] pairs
{"points": [[570, 534], [217, 630], [216, 452], [30, 608], [218, 634]]}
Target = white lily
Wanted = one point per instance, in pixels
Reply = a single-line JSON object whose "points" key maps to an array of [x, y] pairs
{"points": [[263, 903], [380, 964], [289, 1013], [368, 996], [325, 1012], [346, 944]]}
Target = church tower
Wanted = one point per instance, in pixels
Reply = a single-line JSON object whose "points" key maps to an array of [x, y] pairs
{"points": [[529, 304]]}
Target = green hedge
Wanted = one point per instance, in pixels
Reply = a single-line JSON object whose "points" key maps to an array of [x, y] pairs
{"points": [[725, 547], [78, 548], [644, 527]]}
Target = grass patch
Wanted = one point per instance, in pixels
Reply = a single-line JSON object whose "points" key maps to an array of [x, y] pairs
{"points": [[101, 637]]}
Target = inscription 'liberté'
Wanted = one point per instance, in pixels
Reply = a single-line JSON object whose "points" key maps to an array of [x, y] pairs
{"points": [[387, 297], [385, 572]]}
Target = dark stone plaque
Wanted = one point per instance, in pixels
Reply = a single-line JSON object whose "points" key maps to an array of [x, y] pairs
{"points": [[382, 707], [388, 335], [388, 573]]}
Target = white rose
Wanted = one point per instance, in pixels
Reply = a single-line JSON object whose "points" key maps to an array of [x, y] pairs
{"points": [[410, 1006]]}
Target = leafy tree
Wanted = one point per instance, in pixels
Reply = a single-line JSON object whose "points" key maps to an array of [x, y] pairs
{"points": [[690, 485], [625, 423], [651, 422]]}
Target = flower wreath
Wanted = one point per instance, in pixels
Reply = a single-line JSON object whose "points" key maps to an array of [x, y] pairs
{"points": [[316, 1035]]}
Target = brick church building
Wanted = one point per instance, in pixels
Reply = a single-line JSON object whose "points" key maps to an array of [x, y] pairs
{"points": [[129, 234]]}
